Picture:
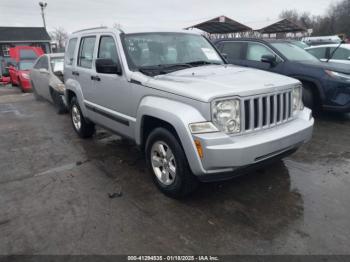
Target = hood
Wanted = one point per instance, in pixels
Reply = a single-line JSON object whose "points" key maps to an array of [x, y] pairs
{"points": [[216, 81], [338, 67]]}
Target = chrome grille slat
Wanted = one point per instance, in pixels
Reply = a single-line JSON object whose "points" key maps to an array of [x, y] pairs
{"points": [[265, 111], [251, 116]]}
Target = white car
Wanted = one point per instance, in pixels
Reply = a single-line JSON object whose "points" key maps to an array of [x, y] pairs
{"points": [[323, 52], [47, 80]]}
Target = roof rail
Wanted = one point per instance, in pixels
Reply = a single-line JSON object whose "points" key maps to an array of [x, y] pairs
{"points": [[100, 27]]}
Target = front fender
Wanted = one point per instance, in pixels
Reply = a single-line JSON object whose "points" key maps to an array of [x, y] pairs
{"points": [[74, 86], [177, 114]]}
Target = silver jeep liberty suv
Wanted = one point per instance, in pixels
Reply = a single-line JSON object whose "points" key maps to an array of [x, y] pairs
{"points": [[195, 116]]}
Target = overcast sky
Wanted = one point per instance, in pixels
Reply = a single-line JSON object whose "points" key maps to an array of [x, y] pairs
{"points": [[77, 14]]}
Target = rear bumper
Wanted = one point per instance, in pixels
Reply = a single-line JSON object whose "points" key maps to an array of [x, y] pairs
{"points": [[223, 153]]}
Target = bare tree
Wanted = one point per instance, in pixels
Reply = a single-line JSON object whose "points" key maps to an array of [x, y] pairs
{"points": [[337, 20], [59, 35]]}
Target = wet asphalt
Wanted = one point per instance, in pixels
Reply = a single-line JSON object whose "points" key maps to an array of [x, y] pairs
{"points": [[55, 194]]}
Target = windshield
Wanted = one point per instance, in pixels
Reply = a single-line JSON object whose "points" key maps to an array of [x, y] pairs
{"points": [[57, 64], [25, 65], [300, 44], [293, 52], [168, 51]]}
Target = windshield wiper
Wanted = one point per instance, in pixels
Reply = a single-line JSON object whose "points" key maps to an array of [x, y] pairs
{"points": [[162, 69], [202, 62], [335, 50]]}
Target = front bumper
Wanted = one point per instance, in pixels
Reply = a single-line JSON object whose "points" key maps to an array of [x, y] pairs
{"points": [[224, 153]]}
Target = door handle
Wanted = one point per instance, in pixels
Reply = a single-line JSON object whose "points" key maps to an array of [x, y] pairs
{"points": [[95, 78], [75, 73]]}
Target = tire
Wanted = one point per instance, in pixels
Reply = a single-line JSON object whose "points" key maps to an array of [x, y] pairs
{"points": [[170, 170], [81, 126], [58, 102], [308, 96]]}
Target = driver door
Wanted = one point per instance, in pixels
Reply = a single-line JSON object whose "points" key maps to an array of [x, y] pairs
{"points": [[41, 78], [254, 53]]}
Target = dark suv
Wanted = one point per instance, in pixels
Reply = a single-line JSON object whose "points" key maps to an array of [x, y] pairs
{"points": [[326, 85]]}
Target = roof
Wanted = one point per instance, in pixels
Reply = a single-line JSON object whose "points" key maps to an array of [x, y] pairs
{"points": [[221, 25], [23, 34], [276, 26], [132, 30], [346, 46], [54, 55]]}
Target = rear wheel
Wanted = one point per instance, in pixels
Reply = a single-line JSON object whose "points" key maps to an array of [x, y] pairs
{"points": [[168, 164], [81, 126]]}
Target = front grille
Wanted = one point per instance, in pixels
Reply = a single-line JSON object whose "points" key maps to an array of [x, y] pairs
{"points": [[265, 111]]}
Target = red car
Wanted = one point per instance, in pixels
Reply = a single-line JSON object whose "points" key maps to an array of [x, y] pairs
{"points": [[24, 57], [20, 74]]}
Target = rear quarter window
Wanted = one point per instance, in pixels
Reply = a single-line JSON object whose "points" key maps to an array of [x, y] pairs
{"points": [[70, 51]]}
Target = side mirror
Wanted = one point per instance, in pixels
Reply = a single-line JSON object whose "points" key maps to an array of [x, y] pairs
{"points": [[270, 59], [58, 73], [107, 66]]}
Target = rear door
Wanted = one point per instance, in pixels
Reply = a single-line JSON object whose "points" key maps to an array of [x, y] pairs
{"points": [[70, 59], [41, 76], [235, 51], [85, 66]]}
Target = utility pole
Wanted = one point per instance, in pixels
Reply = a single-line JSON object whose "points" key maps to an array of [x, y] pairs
{"points": [[43, 6]]}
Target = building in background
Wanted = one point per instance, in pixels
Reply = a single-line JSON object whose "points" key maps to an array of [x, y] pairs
{"points": [[23, 36]]}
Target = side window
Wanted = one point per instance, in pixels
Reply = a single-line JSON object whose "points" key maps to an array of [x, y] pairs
{"points": [[341, 53], [42, 63], [318, 52], [45, 63], [38, 63], [108, 48], [86, 51], [234, 50], [70, 51], [255, 51]]}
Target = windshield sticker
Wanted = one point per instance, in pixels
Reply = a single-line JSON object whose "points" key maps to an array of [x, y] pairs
{"points": [[210, 54]]}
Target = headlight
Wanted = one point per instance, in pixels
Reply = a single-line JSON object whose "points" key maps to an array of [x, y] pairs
{"points": [[204, 127], [25, 76], [337, 75], [227, 115], [297, 99], [60, 87]]}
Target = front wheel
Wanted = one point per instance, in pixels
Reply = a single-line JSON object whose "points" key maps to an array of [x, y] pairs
{"points": [[58, 102], [81, 126], [168, 164], [308, 97]]}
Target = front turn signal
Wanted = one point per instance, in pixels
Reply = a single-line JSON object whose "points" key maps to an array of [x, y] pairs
{"points": [[199, 148]]}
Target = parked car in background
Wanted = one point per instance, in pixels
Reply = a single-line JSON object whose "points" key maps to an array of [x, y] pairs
{"points": [[321, 40], [22, 60], [47, 80], [174, 95], [19, 53], [326, 53], [19, 74], [326, 85]]}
